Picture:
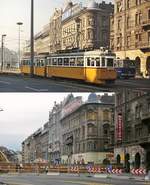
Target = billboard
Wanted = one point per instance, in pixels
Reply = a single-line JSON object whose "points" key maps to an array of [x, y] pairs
{"points": [[119, 127]]}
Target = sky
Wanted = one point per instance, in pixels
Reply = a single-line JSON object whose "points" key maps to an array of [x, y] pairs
{"points": [[13, 11], [24, 113]]}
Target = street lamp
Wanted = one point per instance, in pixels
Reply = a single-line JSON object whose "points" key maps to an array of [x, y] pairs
{"points": [[2, 52], [19, 52], [32, 38]]}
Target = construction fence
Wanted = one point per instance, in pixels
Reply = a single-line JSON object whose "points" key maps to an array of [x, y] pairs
{"points": [[75, 169]]}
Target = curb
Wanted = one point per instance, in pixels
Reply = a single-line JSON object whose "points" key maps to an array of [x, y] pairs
{"points": [[53, 173]]}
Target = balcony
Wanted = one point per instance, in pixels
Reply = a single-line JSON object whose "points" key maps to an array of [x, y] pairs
{"points": [[145, 47], [146, 25], [145, 115]]}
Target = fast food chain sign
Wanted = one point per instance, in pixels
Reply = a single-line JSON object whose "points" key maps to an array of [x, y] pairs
{"points": [[119, 127]]}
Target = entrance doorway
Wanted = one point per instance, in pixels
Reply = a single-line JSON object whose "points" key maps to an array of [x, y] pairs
{"points": [[148, 160], [138, 65], [137, 160], [118, 159], [127, 163], [148, 66]]}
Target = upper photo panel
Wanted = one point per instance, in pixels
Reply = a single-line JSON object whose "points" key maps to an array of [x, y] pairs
{"points": [[74, 46]]}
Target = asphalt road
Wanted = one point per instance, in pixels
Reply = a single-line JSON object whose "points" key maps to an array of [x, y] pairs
{"points": [[18, 83], [23, 179]]}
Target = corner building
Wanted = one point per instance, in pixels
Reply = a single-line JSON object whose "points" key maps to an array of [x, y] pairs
{"points": [[86, 27], [130, 33], [85, 131], [132, 129]]}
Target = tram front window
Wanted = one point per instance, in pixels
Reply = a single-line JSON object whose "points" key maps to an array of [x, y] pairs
{"points": [[110, 62]]}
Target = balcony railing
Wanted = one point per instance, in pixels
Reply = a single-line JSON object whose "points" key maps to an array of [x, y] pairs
{"points": [[146, 24], [145, 47], [145, 115]]}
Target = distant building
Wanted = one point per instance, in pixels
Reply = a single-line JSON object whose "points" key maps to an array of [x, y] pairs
{"points": [[55, 137], [42, 41], [132, 129], [7, 155], [130, 33], [55, 31], [86, 27], [10, 59]]}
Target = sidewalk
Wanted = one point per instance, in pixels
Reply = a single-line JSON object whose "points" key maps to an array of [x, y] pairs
{"points": [[11, 71]]}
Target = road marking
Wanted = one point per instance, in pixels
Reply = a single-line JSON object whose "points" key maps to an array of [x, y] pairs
{"points": [[37, 90], [17, 183], [85, 183], [5, 82]]}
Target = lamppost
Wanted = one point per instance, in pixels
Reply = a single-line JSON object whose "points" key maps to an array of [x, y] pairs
{"points": [[19, 51], [2, 52], [32, 38]]}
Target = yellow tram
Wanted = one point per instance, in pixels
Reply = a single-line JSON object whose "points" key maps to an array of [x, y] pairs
{"points": [[90, 66]]}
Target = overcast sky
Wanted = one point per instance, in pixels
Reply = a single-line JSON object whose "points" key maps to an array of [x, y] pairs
{"points": [[24, 113], [12, 11]]}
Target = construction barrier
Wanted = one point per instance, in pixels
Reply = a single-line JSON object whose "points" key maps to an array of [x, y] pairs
{"points": [[75, 169], [140, 171]]}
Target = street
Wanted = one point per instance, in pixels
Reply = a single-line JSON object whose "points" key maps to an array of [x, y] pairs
{"points": [[18, 83], [63, 179]]}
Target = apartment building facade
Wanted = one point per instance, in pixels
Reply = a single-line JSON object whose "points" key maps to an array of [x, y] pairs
{"points": [[130, 33], [85, 131], [86, 27], [132, 129], [55, 140], [55, 30]]}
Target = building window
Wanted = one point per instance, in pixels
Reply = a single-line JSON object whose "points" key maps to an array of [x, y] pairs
{"points": [[149, 37], [128, 22], [149, 14], [128, 3]]}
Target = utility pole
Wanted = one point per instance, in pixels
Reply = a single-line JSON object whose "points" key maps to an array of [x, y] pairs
{"points": [[32, 39], [2, 53], [19, 51]]}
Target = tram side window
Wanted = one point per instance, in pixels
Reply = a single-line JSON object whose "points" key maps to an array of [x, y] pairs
{"points": [[97, 62], [60, 61], [80, 61], [88, 61], [66, 61], [110, 62], [49, 61], [54, 61], [92, 61], [38, 63], [72, 61], [103, 62], [42, 63]]}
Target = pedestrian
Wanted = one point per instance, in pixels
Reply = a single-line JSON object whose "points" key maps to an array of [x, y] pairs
{"points": [[46, 169]]}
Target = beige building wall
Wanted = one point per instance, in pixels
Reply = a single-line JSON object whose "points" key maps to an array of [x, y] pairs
{"points": [[92, 157], [55, 31], [87, 27], [130, 33]]}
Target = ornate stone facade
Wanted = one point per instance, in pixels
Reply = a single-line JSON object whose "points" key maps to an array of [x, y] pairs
{"points": [[132, 133], [55, 31], [130, 33], [86, 27], [85, 131]]}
